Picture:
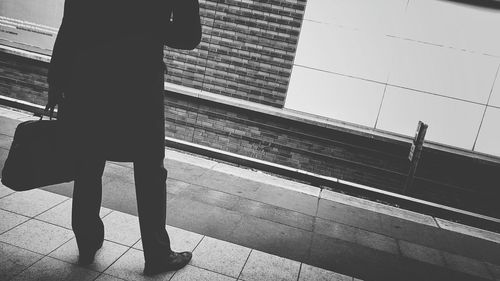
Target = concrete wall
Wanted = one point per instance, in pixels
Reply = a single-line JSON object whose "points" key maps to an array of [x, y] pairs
{"points": [[30, 24], [387, 64]]}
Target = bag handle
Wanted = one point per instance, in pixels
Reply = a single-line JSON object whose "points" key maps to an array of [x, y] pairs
{"points": [[46, 112]]}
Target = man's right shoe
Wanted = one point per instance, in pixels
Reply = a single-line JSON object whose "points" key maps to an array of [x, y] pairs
{"points": [[174, 261]]}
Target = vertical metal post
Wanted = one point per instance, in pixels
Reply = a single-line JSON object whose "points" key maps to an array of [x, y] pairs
{"points": [[415, 152]]}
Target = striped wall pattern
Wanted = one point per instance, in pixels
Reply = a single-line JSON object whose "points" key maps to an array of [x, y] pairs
{"points": [[247, 50]]}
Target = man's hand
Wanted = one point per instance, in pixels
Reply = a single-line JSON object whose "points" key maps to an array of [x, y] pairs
{"points": [[55, 98]]}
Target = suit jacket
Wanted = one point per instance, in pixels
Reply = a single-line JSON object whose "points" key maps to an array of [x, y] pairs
{"points": [[108, 61]]}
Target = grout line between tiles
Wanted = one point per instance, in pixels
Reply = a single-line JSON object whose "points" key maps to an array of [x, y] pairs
{"points": [[244, 264], [117, 259], [21, 272], [50, 208], [7, 230], [300, 269]]}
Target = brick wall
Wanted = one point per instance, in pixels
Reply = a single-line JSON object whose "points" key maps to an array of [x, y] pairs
{"points": [[23, 78], [247, 50], [442, 177]]}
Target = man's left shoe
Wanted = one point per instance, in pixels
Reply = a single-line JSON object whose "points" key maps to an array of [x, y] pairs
{"points": [[87, 256], [174, 261]]}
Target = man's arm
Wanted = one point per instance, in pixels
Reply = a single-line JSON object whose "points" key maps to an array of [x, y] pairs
{"points": [[59, 63], [184, 30]]}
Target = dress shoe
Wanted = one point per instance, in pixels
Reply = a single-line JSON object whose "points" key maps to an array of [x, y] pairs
{"points": [[87, 256], [174, 261]]}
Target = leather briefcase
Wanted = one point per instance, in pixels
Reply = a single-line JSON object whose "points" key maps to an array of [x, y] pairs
{"points": [[38, 156]]}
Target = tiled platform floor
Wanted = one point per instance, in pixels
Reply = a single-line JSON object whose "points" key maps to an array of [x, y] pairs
{"points": [[36, 243], [254, 216]]}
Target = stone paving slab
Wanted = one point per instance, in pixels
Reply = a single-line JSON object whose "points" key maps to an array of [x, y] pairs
{"points": [[14, 260], [51, 269], [469, 230], [36, 250], [37, 236]]}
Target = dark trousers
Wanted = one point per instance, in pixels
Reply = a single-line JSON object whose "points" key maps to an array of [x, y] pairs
{"points": [[150, 184]]}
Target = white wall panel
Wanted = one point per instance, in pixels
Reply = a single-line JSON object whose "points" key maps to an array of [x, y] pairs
{"points": [[380, 16], [453, 25], [334, 96], [344, 51], [495, 94], [489, 136], [47, 12], [443, 71], [450, 121]]}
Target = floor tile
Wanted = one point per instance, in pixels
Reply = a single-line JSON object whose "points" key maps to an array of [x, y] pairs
{"points": [[359, 236], [188, 172], [61, 214], [37, 236], [121, 228], [346, 258], [183, 240], [271, 237], [466, 265], [4, 191], [265, 178], [287, 199], [203, 218], [119, 195], [220, 256], [196, 160], [130, 267], [31, 203], [263, 266], [116, 171], [180, 239], [273, 213], [105, 277], [9, 220], [176, 186], [8, 125], [421, 253], [108, 254], [349, 215], [469, 230], [311, 273], [469, 246], [13, 260], [191, 273], [227, 183], [494, 269], [209, 196], [51, 269], [398, 228]]}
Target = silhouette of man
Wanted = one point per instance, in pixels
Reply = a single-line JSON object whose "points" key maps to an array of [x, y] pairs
{"points": [[106, 76]]}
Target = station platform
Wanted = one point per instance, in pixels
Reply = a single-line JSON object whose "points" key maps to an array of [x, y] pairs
{"points": [[241, 224]]}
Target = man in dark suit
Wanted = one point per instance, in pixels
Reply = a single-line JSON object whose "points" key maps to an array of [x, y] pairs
{"points": [[106, 76]]}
